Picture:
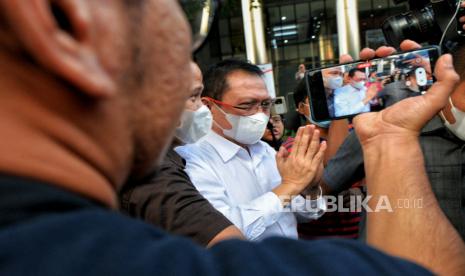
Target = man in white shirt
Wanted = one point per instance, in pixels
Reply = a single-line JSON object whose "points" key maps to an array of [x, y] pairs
{"points": [[243, 177], [354, 97]]}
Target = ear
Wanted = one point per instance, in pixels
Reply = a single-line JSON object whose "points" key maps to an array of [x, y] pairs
{"points": [[206, 102], [300, 108], [56, 33]]}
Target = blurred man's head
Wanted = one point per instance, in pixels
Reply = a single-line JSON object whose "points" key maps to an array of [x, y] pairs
{"points": [[332, 78], [196, 120], [238, 99], [101, 78]]}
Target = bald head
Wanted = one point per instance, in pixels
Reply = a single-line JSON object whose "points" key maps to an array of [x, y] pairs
{"points": [[99, 78], [194, 101]]}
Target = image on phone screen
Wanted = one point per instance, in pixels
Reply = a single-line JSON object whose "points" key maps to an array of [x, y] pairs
{"points": [[347, 90]]}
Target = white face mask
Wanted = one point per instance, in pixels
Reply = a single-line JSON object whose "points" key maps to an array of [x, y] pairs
{"points": [[458, 128], [333, 82], [359, 85], [194, 125], [246, 130]]}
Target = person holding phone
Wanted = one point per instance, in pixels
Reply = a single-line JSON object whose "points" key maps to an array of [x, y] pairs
{"points": [[442, 141]]}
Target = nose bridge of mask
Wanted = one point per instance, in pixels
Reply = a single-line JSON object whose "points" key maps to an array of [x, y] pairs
{"points": [[194, 125]]}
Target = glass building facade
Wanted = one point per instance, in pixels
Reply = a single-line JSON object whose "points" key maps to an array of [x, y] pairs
{"points": [[297, 31]]}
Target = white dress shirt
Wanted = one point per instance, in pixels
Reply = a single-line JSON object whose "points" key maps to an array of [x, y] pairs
{"points": [[240, 186], [348, 101]]}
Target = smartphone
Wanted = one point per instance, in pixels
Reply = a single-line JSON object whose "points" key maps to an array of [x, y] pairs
{"points": [[343, 91]]}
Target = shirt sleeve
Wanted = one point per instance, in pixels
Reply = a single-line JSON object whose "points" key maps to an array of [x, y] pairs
{"points": [[252, 217], [346, 167], [169, 200]]}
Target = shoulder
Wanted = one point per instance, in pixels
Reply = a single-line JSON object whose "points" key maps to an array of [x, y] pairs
{"points": [[197, 151]]}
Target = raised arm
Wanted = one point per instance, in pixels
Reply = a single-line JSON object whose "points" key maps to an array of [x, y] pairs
{"points": [[390, 142]]}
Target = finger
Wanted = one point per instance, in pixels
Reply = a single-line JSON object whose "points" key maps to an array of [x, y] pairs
{"points": [[367, 54], [298, 137], [408, 45], [279, 156], [345, 58], [462, 19], [305, 140], [318, 158], [463, 4], [314, 145], [385, 51], [437, 96]]}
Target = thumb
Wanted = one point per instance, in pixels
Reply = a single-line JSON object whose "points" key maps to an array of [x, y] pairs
{"points": [[437, 96]]}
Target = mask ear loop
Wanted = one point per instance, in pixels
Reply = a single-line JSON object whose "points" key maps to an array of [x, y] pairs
{"points": [[442, 112], [441, 42]]}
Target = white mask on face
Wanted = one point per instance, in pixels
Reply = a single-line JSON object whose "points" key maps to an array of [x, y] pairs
{"points": [[458, 128], [333, 82], [246, 130], [359, 85], [194, 125]]}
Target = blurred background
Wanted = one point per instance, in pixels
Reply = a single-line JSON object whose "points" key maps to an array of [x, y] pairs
{"points": [[296, 32]]}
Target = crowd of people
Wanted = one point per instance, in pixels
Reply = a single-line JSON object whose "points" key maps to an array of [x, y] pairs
{"points": [[118, 156]]}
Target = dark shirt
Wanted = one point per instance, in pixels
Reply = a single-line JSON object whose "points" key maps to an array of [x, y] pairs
{"points": [[444, 161], [168, 199], [48, 231]]}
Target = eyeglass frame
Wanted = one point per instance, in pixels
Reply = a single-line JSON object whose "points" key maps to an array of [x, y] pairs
{"points": [[255, 107]]}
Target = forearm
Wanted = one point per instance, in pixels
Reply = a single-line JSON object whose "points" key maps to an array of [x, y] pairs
{"points": [[395, 168], [231, 232]]}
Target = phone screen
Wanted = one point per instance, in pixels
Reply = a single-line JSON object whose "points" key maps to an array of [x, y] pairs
{"points": [[346, 90]]}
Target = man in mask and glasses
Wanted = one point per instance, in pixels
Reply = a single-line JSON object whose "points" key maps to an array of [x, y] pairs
{"points": [[90, 95], [237, 172]]}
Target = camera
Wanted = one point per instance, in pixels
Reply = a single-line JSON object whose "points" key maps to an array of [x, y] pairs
{"points": [[429, 21]]}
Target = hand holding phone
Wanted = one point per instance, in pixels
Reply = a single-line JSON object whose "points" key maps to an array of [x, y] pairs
{"points": [[407, 78]]}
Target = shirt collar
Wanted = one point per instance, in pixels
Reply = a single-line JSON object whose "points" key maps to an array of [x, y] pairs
{"points": [[227, 149]]}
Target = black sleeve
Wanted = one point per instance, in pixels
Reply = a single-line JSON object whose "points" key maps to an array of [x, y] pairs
{"points": [[346, 167], [170, 200]]}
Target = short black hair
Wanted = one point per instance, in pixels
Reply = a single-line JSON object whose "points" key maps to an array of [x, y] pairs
{"points": [[215, 78], [354, 70], [300, 93]]}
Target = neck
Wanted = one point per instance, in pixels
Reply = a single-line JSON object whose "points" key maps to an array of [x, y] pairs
{"points": [[52, 134]]}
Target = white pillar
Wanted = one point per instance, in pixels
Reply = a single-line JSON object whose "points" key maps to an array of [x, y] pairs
{"points": [[348, 27], [254, 31]]}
